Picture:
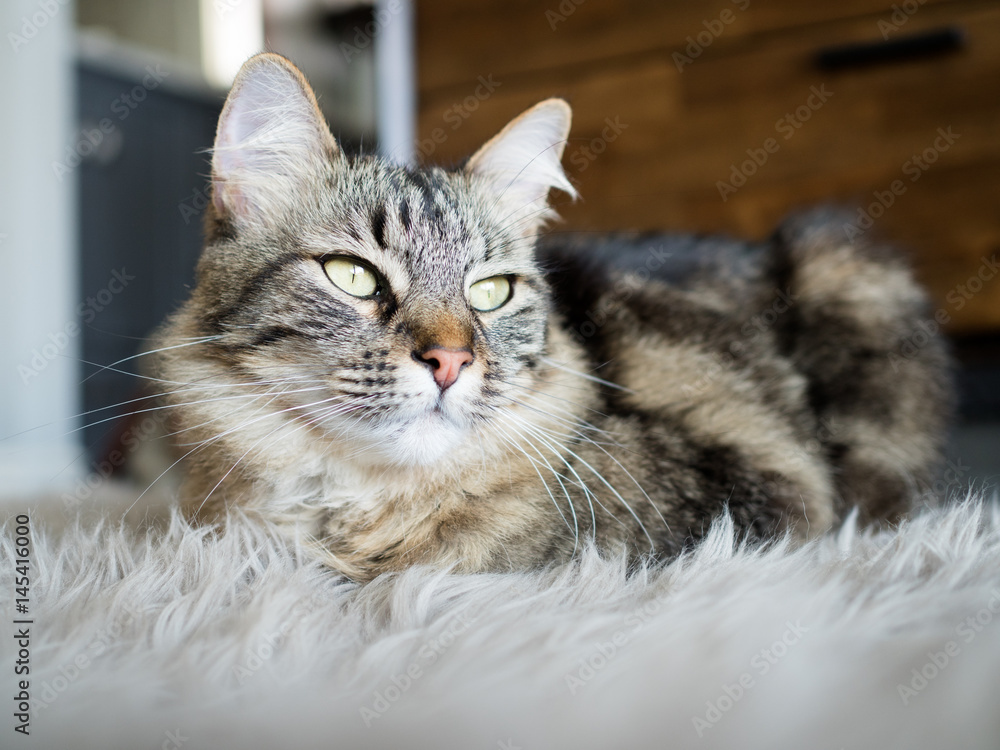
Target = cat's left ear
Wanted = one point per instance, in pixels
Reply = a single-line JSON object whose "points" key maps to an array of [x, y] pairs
{"points": [[523, 161], [272, 142]]}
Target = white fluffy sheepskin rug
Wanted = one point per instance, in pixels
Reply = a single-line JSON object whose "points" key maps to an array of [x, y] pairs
{"points": [[165, 636]]}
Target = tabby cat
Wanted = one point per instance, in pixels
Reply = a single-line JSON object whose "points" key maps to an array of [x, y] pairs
{"points": [[388, 365]]}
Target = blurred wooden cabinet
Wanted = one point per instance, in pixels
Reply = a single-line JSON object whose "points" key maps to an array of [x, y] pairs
{"points": [[717, 117]]}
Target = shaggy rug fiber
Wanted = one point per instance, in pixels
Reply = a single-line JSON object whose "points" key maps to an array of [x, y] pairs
{"points": [[159, 635]]}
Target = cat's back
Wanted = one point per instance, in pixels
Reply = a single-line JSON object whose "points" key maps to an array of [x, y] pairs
{"points": [[585, 268], [773, 352]]}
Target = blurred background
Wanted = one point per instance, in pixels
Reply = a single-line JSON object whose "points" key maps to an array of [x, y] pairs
{"points": [[716, 116]]}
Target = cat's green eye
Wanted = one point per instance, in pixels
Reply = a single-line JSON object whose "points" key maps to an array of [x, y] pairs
{"points": [[352, 276], [489, 294]]}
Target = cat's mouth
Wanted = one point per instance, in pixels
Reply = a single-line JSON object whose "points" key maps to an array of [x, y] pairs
{"points": [[441, 413], [426, 426]]}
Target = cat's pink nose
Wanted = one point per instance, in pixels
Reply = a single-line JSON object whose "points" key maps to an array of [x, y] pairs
{"points": [[446, 364]]}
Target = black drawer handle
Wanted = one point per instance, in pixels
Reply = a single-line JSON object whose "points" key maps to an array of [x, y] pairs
{"points": [[912, 47]]}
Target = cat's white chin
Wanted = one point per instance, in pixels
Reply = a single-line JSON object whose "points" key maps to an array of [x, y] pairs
{"points": [[430, 440], [422, 441], [426, 429]]}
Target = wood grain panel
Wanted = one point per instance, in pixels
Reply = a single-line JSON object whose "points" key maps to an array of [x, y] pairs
{"points": [[685, 131], [643, 97], [459, 40]]}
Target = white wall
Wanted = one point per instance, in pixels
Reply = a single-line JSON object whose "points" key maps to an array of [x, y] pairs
{"points": [[38, 258]]}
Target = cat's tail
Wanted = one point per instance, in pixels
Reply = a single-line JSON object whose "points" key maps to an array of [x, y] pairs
{"points": [[863, 332]]}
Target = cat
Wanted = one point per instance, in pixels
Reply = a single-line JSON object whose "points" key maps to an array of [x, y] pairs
{"points": [[390, 367]]}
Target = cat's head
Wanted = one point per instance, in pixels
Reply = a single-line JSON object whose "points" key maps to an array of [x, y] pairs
{"points": [[395, 308]]}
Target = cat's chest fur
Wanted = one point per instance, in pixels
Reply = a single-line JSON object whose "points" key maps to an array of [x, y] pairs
{"points": [[478, 526], [364, 521]]}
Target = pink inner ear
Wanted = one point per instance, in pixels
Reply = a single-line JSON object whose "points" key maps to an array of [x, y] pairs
{"points": [[249, 111], [226, 161], [227, 197], [217, 201]]}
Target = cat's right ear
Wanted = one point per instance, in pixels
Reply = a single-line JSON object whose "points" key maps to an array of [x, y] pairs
{"points": [[272, 140], [523, 162]]}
